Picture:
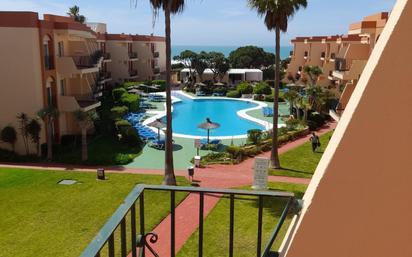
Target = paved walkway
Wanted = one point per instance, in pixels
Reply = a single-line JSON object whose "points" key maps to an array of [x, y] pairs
{"points": [[214, 176]]}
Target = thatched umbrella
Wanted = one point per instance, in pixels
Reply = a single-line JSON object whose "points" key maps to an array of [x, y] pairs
{"points": [[219, 84], [159, 125], [208, 125]]}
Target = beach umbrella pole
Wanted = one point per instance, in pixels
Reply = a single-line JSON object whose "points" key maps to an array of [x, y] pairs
{"points": [[208, 134]]}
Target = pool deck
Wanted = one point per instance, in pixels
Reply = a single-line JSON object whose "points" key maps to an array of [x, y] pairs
{"points": [[184, 148]]}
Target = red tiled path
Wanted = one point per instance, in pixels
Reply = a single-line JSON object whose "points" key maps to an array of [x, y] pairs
{"points": [[215, 176], [187, 213]]}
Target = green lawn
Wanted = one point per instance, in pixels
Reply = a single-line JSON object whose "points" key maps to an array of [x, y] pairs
{"points": [[41, 218], [216, 226], [301, 161], [103, 150]]}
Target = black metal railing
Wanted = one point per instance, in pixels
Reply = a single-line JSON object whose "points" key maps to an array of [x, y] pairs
{"points": [[138, 241], [107, 56], [48, 62], [133, 73], [333, 56], [88, 61], [322, 55], [103, 75], [133, 55], [156, 70], [341, 64], [156, 55]]}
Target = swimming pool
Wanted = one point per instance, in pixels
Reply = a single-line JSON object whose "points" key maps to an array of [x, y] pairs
{"points": [[189, 113]]}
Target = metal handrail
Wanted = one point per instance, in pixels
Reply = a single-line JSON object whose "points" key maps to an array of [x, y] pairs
{"points": [[118, 219]]}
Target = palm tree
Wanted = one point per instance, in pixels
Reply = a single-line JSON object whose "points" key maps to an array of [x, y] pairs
{"points": [[313, 72], [276, 14], [291, 96], [75, 13], [49, 115], [33, 130], [169, 7], [85, 121]]}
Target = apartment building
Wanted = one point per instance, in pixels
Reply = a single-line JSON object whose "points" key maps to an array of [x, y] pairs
{"points": [[341, 57], [56, 61], [134, 57], [50, 62]]}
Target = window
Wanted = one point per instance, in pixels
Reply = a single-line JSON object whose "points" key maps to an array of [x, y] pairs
{"points": [[62, 87], [49, 96], [60, 45]]}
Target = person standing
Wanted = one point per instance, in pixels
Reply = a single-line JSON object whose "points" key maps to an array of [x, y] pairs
{"points": [[314, 139]]}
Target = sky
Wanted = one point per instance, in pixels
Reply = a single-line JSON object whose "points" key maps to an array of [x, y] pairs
{"points": [[211, 22]]}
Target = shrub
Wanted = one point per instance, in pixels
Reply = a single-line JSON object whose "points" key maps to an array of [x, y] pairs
{"points": [[316, 121], [161, 83], [292, 124], [233, 94], [259, 97], [235, 152], [122, 123], [262, 88], [269, 98], [282, 131], [251, 151], [117, 93], [127, 85], [9, 135], [118, 112], [220, 90], [70, 140], [131, 101], [131, 137], [254, 136], [244, 88]]}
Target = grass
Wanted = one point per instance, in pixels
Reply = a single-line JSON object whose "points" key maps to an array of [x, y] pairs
{"points": [[41, 218], [301, 161], [216, 226], [103, 150]]}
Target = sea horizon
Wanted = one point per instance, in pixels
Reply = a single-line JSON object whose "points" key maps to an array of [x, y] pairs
{"points": [[177, 49]]}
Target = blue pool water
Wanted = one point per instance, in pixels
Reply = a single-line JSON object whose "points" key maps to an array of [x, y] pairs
{"points": [[189, 113]]}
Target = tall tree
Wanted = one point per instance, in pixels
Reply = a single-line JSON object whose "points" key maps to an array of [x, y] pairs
{"points": [[49, 115], [186, 58], [85, 121], [33, 130], [276, 15], [291, 96], [75, 13], [169, 7], [251, 57], [313, 73], [200, 64], [218, 63], [23, 120]]}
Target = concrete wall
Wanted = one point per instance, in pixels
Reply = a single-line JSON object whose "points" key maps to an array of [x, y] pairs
{"points": [[120, 64], [21, 77], [358, 202]]}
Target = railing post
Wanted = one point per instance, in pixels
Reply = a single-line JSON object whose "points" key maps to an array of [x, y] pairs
{"points": [[123, 244], [142, 228], [172, 223], [259, 233], [133, 229], [201, 208], [232, 221], [111, 245]]}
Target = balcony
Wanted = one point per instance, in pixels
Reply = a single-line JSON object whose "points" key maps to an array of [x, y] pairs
{"points": [[104, 76], [127, 224], [332, 57], [133, 56], [156, 55], [84, 103], [48, 62], [107, 57], [348, 70], [156, 70], [322, 56], [290, 54], [69, 65], [133, 74]]}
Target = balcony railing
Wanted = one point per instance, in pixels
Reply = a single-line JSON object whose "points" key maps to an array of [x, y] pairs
{"points": [[133, 73], [133, 55], [107, 56], [156, 70], [103, 75], [341, 64], [88, 61], [332, 56], [48, 62], [322, 55], [156, 55], [138, 241]]}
